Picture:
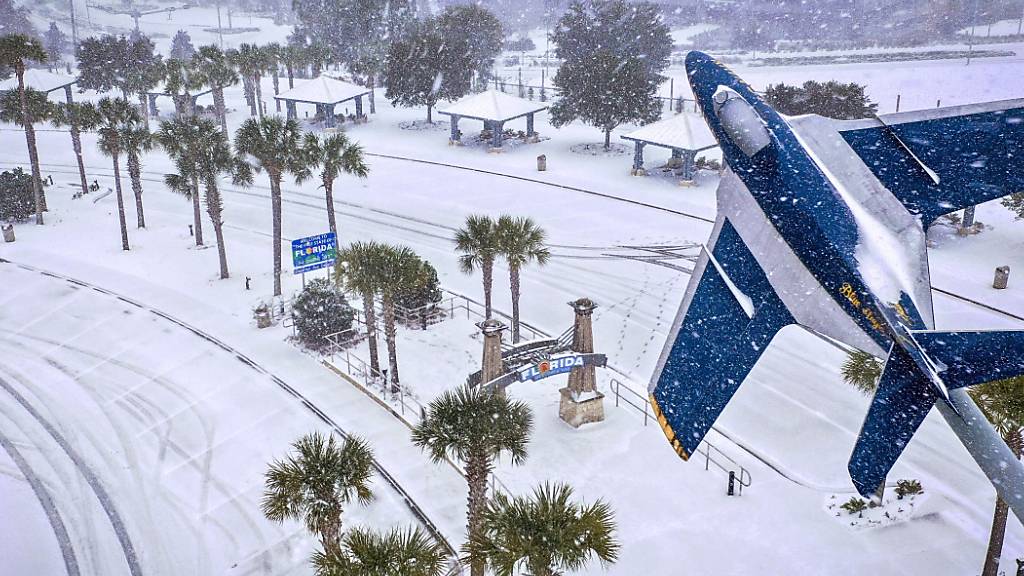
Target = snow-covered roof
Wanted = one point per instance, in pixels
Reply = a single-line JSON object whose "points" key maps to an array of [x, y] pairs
{"points": [[685, 131], [494, 106], [323, 90], [161, 90], [41, 80]]}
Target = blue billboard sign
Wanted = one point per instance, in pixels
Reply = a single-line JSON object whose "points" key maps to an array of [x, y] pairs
{"points": [[314, 252]]}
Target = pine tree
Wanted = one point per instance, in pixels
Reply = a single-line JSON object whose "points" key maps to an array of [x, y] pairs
{"points": [[15, 20], [613, 54], [424, 67], [56, 43], [181, 46], [479, 31]]}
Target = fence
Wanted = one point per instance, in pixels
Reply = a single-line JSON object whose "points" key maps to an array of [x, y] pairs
{"points": [[712, 455]]}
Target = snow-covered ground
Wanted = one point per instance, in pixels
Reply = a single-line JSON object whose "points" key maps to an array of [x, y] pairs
{"points": [[178, 430]]}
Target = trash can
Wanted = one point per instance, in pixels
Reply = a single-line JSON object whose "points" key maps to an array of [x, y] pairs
{"points": [[542, 163], [9, 233]]}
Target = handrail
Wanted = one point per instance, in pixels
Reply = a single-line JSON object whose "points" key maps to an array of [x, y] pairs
{"points": [[711, 453]]}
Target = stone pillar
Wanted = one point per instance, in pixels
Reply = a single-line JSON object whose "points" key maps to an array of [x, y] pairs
{"points": [[492, 365], [581, 403], [359, 107], [497, 134], [456, 137], [293, 113], [529, 126], [638, 160], [329, 111]]}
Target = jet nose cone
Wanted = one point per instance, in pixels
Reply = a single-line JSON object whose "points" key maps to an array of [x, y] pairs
{"points": [[696, 60]]}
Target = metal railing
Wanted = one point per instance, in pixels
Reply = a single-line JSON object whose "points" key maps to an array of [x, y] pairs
{"points": [[712, 455]]}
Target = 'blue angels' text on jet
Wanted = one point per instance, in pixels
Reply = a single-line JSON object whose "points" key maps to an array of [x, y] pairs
{"points": [[822, 223]]}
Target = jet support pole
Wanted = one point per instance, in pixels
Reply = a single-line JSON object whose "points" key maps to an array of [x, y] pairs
{"points": [[1004, 470]]}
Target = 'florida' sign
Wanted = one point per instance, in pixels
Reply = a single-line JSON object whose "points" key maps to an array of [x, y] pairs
{"points": [[551, 367], [313, 252]]}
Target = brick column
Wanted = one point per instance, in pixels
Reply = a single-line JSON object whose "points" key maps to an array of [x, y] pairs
{"points": [[581, 403], [492, 365]]}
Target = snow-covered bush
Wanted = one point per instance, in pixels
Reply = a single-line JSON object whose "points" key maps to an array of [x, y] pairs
{"points": [[17, 202], [320, 310]]}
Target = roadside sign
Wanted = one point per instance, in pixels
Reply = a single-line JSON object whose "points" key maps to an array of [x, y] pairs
{"points": [[313, 253]]}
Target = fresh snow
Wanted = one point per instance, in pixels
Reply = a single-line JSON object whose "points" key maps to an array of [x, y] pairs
{"points": [[493, 105]]}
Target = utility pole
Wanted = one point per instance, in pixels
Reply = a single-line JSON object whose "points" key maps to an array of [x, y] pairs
{"points": [[74, 25], [220, 30]]}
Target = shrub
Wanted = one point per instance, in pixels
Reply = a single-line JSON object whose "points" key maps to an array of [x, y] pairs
{"points": [[830, 99], [320, 310], [908, 488], [17, 201], [427, 289], [855, 505]]}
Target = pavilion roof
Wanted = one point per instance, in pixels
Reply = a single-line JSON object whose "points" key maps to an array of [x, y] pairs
{"points": [[494, 106], [684, 131], [41, 80], [323, 90]]}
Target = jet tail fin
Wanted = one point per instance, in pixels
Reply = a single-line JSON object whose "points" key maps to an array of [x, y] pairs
{"points": [[906, 393]]}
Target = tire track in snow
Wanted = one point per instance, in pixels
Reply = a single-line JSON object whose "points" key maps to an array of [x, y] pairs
{"points": [[411, 504]]}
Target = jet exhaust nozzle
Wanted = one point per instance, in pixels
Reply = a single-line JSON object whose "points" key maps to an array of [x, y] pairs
{"points": [[741, 123]]}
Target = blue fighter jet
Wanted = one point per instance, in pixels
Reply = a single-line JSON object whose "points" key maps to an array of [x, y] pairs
{"points": [[821, 223]]}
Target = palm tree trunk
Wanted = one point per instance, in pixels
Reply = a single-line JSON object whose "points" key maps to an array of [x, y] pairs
{"points": [[144, 109], [30, 141], [477, 470], [371, 330], [215, 208], [218, 104], [999, 517], [329, 192], [608, 139], [120, 203], [372, 81], [513, 274], [197, 213], [76, 144], [277, 88], [430, 116], [250, 94], [488, 274], [135, 174], [275, 204], [389, 338], [291, 75], [259, 96]]}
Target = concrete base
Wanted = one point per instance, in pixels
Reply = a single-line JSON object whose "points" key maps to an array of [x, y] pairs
{"points": [[674, 163], [576, 413], [687, 183], [638, 172], [455, 142], [493, 150]]}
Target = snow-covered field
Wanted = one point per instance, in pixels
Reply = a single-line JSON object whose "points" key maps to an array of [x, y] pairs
{"points": [[178, 432]]}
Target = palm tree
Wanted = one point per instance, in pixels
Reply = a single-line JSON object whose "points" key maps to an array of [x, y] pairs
{"points": [[78, 117], [547, 534], [1002, 403], [479, 244], [397, 553], [273, 52], [293, 56], [136, 139], [399, 269], [208, 157], [521, 242], [117, 117], [182, 139], [252, 61], [272, 144], [214, 65], [39, 107], [333, 155], [317, 482], [358, 266], [15, 50], [475, 426], [862, 371]]}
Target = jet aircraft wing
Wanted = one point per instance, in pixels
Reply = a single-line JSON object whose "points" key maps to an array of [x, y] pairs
{"points": [[940, 160]]}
